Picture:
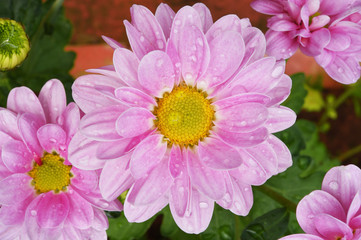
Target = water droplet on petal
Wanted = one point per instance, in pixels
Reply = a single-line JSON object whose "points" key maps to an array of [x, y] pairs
{"points": [[277, 72], [340, 70], [142, 38], [333, 185], [160, 44], [177, 22], [203, 205], [33, 212]]}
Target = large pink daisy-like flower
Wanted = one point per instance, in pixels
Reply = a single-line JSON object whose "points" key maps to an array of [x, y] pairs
{"points": [[335, 211], [186, 118], [41, 195], [328, 30]]}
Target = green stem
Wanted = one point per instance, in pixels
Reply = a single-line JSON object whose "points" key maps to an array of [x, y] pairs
{"points": [[291, 206], [350, 153]]}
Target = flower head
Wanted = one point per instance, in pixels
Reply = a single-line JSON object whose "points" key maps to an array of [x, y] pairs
{"points": [[327, 30], [335, 211], [42, 196], [186, 118]]}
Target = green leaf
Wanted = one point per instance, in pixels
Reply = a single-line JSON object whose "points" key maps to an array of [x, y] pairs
{"points": [[270, 226], [121, 229], [298, 93]]}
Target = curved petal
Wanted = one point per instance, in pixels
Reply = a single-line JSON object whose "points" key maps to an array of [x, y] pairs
{"points": [[52, 137], [265, 156], [331, 227], [115, 178], [23, 100], [156, 73], [100, 220], [111, 42], [283, 154], [214, 153], [179, 195], [342, 183], [143, 213], [194, 53], [164, 14], [116, 149], [16, 157], [280, 44], [147, 154], [87, 94], [177, 162], [134, 122], [244, 139], [52, 209], [70, 120], [134, 97], [53, 99], [242, 198], [244, 117], [202, 177], [205, 15], [28, 127], [14, 214], [198, 214], [241, 98], [270, 7], [81, 214], [100, 124], [301, 237], [86, 181], [152, 186], [317, 42], [255, 45], [8, 124], [146, 23], [108, 71], [345, 70], [82, 153], [230, 22], [317, 202], [280, 118]]}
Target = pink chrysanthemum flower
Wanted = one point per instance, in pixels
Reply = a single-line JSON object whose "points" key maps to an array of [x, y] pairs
{"points": [[186, 118], [327, 30], [335, 211], [41, 195]]}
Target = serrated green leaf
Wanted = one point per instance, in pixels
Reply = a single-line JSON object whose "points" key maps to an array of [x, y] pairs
{"points": [[270, 226], [298, 93]]}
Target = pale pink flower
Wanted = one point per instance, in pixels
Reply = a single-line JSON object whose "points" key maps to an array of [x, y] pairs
{"points": [[186, 119], [335, 211], [328, 30], [41, 195]]}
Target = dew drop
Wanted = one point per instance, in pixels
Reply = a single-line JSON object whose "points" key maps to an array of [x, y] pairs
{"points": [[160, 44], [227, 197], [243, 123], [310, 216], [340, 70], [238, 206], [159, 62], [203, 205], [177, 22], [33, 213], [188, 76], [333, 185], [200, 41], [178, 64], [142, 38], [277, 72]]}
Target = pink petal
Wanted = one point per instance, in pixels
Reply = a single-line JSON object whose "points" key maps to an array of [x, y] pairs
{"points": [[205, 15], [53, 99], [255, 45], [282, 152], [23, 100], [28, 125], [177, 162], [317, 42], [164, 14], [9, 232], [242, 198], [202, 177], [100, 124], [87, 95], [115, 178], [134, 97], [244, 139], [143, 213], [264, 155], [227, 52], [226, 23], [8, 124], [139, 43], [112, 43], [100, 220], [345, 70], [198, 214], [116, 149], [152, 186], [242, 117], [108, 71], [316, 203], [319, 22], [280, 118], [282, 23], [95, 199], [194, 53], [241, 98], [70, 120], [174, 56], [332, 228], [4, 171], [218, 155], [52, 137], [342, 183], [147, 24], [281, 91], [301, 237], [134, 122], [81, 213], [156, 73], [280, 44], [227, 200], [86, 181], [14, 213], [339, 40], [332, 8], [180, 195], [16, 157], [52, 209], [270, 7], [147, 154], [355, 222], [126, 65], [81, 153]]}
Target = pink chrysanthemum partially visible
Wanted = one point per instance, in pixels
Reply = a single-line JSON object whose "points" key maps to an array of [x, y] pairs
{"points": [[328, 30], [335, 211], [41, 195], [186, 118]]}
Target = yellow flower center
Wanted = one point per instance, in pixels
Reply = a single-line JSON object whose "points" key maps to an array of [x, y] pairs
{"points": [[184, 116], [52, 174]]}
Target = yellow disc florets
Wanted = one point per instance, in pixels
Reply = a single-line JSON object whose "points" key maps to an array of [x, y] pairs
{"points": [[51, 175], [184, 116]]}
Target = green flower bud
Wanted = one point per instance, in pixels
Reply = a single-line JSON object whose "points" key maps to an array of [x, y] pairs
{"points": [[14, 44]]}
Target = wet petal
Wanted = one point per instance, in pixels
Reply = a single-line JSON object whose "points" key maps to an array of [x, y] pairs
{"points": [[177, 162], [8, 123], [70, 120], [244, 139], [331, 227], [134, 97], [18, 181], [283, 154], [52, 137], [28, 127], [84, 180], [52, 209], [280, 118], [280, 44], [164, 14], [179, 195], [143, 213], [270, 7], [115, 149], [205, 16], [111, 42], [81, 214], [16, 157], [241, 98]]}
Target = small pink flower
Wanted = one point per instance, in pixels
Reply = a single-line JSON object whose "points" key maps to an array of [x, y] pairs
{"points": [[41, 195], [328, 30], [335, 211], [186, 119]]}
